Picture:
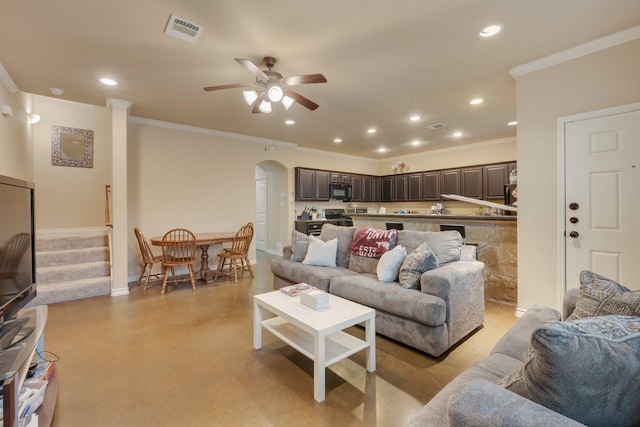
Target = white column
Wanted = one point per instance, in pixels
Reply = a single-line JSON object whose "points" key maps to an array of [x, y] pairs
{"points": [[119, 241]]}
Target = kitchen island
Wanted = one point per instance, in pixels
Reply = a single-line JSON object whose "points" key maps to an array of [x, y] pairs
{"points": [[495, 237]]}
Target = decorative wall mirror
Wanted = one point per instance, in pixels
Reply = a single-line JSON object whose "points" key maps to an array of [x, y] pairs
{"points": [[71, 147]]}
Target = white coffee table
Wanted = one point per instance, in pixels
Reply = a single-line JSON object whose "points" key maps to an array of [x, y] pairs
{"points": [[316, 334]]}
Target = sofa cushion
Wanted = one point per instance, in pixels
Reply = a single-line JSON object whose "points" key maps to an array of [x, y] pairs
{"points": [[321, 253], [389, 264], [344, 236], [600, 296], [587, 370], [296, 272], [447, 245], [363, 264], [392, 298], [417, 262], [299, 244], [372, 243]]}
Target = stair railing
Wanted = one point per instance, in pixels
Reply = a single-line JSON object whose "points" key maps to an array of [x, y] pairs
{"points": [[107, 206]]}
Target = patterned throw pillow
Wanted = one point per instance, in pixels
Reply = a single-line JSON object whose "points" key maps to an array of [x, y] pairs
{"points": [[299, 245], [417, 262], [600, 296], [587, 370], [372, 243]]}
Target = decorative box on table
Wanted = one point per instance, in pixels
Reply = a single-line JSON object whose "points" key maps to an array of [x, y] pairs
{"points": [[316, 299]]}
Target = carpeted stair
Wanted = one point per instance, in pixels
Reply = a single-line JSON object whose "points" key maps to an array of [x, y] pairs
{"points": [[71, 266]]}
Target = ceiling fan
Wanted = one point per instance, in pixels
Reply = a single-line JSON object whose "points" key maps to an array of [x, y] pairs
{"points": [[271, 86]]}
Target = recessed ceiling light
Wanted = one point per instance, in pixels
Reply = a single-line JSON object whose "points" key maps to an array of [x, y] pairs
{"points": [[108, 82], [476, 101], [290, 122], [513, 123], [415, 118], [382, 150], [491, 30], [415, 142], [337, 140], [56, 91], [457, 134], [371, 130]]}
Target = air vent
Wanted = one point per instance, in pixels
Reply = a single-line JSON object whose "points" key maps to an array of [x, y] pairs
{"points": [[436, 126], [182, 29]]}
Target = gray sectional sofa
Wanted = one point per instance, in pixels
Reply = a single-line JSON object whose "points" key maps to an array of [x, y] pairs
{"points": [[448, 305]]}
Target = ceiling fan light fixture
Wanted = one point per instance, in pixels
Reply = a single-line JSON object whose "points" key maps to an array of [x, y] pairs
{"points": [[265, 107], [250, 96], [287, 102], [275, 93]]}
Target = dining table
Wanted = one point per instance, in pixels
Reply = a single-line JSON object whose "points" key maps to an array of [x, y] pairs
{"points": [[204, 240]]}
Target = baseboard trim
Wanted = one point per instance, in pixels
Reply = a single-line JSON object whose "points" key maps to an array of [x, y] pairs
{"points": [[520, 312], [119, 292]]}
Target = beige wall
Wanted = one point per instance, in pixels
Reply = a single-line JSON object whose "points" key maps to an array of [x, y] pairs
{"points": [[604, 79], [70, 197], [15, 136]]}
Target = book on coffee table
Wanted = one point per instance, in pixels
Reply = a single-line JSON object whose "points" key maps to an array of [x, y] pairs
{"points": [[295, 290]]}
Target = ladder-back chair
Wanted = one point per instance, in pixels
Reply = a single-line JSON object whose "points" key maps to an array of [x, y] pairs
{"points": [[178, 248], [237, 256], [148, 259]]}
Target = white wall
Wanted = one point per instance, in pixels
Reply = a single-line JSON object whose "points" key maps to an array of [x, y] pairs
{"points": [[603, 79], [15, 136], [70, 197]]}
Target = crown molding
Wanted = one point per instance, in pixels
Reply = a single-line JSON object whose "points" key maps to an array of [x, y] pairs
{"points": [[118, 103], [334, 154], [455, 148], [8, 82], [205, 131], [575, 52]]}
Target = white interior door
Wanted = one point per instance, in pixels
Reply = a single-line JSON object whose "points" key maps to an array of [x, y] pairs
{"points": [[261, 214], [602, 202]]}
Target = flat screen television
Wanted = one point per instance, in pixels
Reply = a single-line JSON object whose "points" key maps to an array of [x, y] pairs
{"points": [[17, 246]]}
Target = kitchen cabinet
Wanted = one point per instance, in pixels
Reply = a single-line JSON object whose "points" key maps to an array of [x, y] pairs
{"points": [[414, 187], [494, 179], [369, 189], [400, 188], [471, 182], [357, 193], [450, 181], [386, 189], [312, 184], [431, 185]]}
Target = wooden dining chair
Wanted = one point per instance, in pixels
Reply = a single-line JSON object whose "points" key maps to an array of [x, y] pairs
{"points": [[178, 248], [237, 256], [148, 259]]}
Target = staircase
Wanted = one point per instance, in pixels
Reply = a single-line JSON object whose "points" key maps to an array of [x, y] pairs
{"points": [[71, 266]]}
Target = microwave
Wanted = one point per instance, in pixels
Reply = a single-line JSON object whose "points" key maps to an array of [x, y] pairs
{"points": [[340, 191]]}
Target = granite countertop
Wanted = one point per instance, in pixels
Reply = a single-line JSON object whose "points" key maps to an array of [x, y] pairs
{"points": [[444, 217]]}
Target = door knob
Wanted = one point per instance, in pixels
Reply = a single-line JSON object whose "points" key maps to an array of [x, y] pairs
{"points": [[574, 206], [573, 220], [574, 234]]}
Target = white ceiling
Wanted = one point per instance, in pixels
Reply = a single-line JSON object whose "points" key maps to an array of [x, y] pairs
{"points": [[384, 61]]}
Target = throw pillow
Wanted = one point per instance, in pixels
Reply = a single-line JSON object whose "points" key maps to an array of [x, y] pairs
{"points": [[299, 244], [587, 370], [390, 263], [417, 262], [372, 243], [600, 296], [321, 253]]}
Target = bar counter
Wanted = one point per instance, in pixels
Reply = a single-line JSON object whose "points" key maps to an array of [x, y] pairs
{"points": [[495, 237]]}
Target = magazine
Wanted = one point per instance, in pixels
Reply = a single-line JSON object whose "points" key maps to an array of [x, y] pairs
{"points": [[295, 290]]}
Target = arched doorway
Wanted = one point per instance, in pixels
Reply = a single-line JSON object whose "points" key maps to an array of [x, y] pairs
{"points": [[271, 206]]}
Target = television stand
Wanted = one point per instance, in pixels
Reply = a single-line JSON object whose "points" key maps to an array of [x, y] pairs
{"points": [[16, 360]]}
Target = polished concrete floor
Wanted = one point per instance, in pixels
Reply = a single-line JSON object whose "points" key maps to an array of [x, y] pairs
{"points": [[186, 359]]}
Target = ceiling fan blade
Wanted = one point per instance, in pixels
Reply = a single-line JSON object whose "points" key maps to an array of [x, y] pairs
{"points": [[257, 102], [253, 68], [305, 102], [299, 80], [229, 86]]}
